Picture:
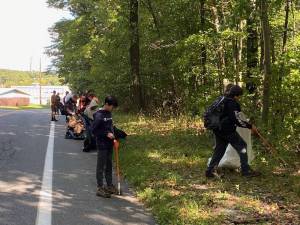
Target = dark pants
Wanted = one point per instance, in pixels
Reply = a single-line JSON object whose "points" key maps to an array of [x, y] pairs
{"points": [[104, 165], [89, 141], [222, 142]]}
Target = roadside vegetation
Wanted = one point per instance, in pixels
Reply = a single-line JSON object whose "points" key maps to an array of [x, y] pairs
{"points": [[165, 159], [10, 78]]}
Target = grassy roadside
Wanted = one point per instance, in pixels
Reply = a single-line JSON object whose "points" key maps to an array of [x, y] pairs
{"points": [[32, 106], [165, 162]]}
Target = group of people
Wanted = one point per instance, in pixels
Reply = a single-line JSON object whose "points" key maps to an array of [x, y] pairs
{"points": [[100, 133]]}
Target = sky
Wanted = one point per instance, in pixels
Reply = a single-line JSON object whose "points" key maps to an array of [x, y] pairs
{"points": [[24, 33]]}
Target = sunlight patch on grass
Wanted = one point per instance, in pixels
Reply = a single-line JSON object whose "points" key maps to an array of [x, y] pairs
{"points": [[165, 160]]}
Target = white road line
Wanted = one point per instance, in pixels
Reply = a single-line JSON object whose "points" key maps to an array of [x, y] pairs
{"points": [[44, 213]]}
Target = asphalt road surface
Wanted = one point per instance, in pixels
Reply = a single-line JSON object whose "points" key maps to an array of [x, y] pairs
{"points": [[47, 180]]}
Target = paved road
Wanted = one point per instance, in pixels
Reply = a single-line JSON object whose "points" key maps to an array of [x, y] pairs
{"points": [[24, 139]]}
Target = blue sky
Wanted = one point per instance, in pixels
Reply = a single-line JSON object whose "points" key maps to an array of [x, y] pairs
{"points": [[24, 33]]}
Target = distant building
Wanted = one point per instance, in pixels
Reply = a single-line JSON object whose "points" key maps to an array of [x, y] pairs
{"points": [[13, 97], [34, 92]]}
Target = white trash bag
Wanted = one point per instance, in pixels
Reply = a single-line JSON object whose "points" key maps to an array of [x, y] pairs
{"points": [[231, 158]]}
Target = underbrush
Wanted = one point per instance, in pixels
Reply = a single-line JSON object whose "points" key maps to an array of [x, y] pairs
{"points": [[165, 160]]}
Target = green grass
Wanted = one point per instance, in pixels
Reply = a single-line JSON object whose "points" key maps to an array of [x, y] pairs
{"points": [[32, 106], [165, 161]]}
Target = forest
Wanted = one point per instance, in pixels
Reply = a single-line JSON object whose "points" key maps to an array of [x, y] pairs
{"points": [[179, 54], [147, 52]]}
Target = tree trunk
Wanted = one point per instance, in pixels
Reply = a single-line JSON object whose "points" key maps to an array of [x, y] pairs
{"points": [[285, 27], [203, 55], [252, 52], [278, 105], [135, 53], [220, 48], [267, 60], [156, 22], [262, 50], [294, 19], [235, 59], [273, 52], [238, 52]]}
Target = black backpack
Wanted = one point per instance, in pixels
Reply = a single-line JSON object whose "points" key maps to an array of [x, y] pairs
{"points": [[119, 134], [212, 115]]}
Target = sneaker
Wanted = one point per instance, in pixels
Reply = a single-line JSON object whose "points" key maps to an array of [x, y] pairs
{"points": [[112, 190], [101, 192], [84, 149], [209, 174], [251, 173]]}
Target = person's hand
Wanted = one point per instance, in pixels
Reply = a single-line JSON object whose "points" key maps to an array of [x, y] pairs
{"points": [[254, 129], [111, 136]]}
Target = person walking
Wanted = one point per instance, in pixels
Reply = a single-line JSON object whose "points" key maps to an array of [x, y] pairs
{"points": [[226, 133]]}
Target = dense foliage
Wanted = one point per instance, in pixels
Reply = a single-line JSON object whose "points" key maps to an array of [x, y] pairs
{"points": [[181, 52]]}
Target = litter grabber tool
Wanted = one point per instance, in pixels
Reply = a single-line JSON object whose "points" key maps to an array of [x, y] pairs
{"points": [[269, 146], [116, 149]]}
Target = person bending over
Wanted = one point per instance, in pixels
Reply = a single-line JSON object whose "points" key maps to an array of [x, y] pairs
{"points": [[71, 105], [88, 116]]}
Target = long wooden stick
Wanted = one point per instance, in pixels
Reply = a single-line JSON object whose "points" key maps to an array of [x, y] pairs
{"points": [[266, 143], [269, 146], [116, 147]]}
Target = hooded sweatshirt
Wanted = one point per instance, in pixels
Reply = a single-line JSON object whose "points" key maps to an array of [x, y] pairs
{"points": [[231, 117], [91, 109], [102, 125]]}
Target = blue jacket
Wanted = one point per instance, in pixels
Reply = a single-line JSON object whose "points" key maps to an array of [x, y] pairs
{"points": [[102, 125]]}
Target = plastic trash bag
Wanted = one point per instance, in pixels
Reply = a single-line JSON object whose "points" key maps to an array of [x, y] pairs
{"points": [[231, 158]]}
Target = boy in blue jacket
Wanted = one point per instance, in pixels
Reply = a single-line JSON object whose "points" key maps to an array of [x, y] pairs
{"points": [[102, 128]]}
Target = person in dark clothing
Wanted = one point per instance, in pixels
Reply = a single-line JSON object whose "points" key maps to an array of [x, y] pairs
{"points": [[53, 106], [57, 103], [88, 118], [227, 134], [103, 131], [71, 105]]}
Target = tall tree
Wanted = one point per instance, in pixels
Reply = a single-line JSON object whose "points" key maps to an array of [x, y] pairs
{"points": [[252, 46], [220, 45], [267, 60], [135, 53], [203, 55], [279, 109]]}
